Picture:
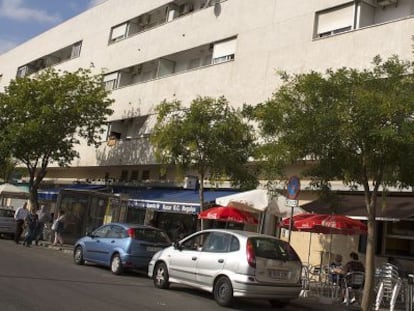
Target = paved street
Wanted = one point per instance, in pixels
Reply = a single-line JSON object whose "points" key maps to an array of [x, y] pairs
{"points": [[44, 278]]}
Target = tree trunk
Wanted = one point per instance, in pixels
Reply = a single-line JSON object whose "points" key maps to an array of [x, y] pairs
{"points": [[368, 296], [201, 196]]}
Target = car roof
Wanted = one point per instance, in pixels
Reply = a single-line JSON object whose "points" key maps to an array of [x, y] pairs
{"points": [[247, 234], [130, 225]]}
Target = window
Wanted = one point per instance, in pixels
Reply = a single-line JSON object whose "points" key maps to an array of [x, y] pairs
{"points": [[76, 49], [196, 242], [399, 238], [124, 175], [145, 175], [102, 232], [134, 175], [224, 51], [335, 20], [111, 81], [21, 72], [217, 243], [119, 32]]}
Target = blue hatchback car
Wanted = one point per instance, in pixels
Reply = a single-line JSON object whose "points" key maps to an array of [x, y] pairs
{"points": [[120, 246]]}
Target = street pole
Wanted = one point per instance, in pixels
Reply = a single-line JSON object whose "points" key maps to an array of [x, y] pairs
{"points": [[290, 223]]}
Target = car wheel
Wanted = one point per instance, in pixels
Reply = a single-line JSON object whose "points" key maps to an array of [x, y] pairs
{"points": [[116, 265], [161, 276], [223, 291], [78, 256], [279, 303]]}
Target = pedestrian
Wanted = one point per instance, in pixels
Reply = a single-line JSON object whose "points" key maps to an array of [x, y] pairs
{"points": [[58, 227], [19, 216], [31, 224], [43, 219]]}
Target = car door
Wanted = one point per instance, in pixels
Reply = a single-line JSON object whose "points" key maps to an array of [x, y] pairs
{"points": [[212, 258], [115, 238], [183, 259], [95, 244]]}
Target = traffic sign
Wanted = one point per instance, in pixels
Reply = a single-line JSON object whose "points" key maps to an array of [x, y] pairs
{"points": [[293, 188], [292, 203]]}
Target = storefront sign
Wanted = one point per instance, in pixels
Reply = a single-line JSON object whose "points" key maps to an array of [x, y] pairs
{"points": [[165, 206]]}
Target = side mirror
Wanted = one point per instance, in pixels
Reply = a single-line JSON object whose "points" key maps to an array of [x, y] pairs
{"points": [[177, 245]]}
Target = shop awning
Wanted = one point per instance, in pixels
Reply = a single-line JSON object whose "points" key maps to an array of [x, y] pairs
{"points": [[52, 194], [173, 200], [391, 207]]}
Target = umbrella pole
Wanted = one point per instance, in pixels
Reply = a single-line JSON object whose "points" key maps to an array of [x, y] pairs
{"points": [[309, 249]]}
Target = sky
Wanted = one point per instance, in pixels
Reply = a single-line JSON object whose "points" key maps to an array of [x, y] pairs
{"points": [[21, 20]]}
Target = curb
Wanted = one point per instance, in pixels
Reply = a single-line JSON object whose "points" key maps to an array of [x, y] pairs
{"points": [[67, 249]]}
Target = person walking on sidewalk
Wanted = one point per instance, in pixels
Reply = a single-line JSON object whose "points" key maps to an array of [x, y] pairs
{"points": [[43, 219], [58, 226], [31, 224], [20, 216]]}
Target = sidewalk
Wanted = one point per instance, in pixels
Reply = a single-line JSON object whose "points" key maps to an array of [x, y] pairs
{"points": [[66, 248]]}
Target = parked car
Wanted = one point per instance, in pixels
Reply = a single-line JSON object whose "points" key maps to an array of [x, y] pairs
{"points": [[231, 263], [120, 246], [7, 222]]}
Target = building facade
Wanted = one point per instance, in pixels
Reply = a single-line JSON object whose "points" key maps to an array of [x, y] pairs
{"points": [[151, 50]]}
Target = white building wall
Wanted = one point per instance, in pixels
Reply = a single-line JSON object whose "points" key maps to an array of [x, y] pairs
{"points": [[271, 35]]}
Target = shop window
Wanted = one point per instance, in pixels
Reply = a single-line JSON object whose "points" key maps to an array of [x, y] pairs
{"points": [[134, 175], [399, 238], [135, 216], [124, 175], [145, 175], [334, 20]]}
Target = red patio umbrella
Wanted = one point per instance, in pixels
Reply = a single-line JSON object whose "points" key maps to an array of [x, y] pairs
{"points": [[335, 224], [228, 214], [326, 224]]}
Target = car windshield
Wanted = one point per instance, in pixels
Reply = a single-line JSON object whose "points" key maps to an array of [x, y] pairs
{"points": [[151, 235], [273, 249], [6, 213]]}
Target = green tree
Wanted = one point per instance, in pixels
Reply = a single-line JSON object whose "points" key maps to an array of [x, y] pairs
{"points": [[352, 125], [209, 138], [43, 117]]}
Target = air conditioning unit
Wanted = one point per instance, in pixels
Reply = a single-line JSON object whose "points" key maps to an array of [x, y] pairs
{"points": [[387, 2]]}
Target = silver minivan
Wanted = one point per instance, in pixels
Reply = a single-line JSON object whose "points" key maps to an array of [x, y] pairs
{"points": [[231, 263], [7, 222]]}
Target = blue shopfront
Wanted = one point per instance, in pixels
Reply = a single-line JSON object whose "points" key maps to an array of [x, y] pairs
{"points": [[89, 206]]}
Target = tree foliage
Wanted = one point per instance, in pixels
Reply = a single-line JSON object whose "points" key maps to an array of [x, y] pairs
{"points": [[354, 125], [43, 117], [209, 137]]}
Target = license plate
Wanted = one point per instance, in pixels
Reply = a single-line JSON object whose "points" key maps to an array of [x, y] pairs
{"points": [[153, 249], [279, 274]]}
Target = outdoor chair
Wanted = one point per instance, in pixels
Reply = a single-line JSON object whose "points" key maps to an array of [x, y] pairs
{"points": [[389, 287], [354, 284]]}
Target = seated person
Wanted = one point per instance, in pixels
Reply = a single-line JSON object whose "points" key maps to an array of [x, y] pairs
{"points": [[354, 264], [336, 270]]}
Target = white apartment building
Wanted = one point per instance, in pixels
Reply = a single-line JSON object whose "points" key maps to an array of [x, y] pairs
{"points": [[152, 50]]}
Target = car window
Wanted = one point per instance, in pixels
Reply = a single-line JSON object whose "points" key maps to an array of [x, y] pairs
{"points": [[116, 232], [234, 244], [273, 249], [217, 242], [101, 232], [151, 235], [196, 242], [6, 213]]}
